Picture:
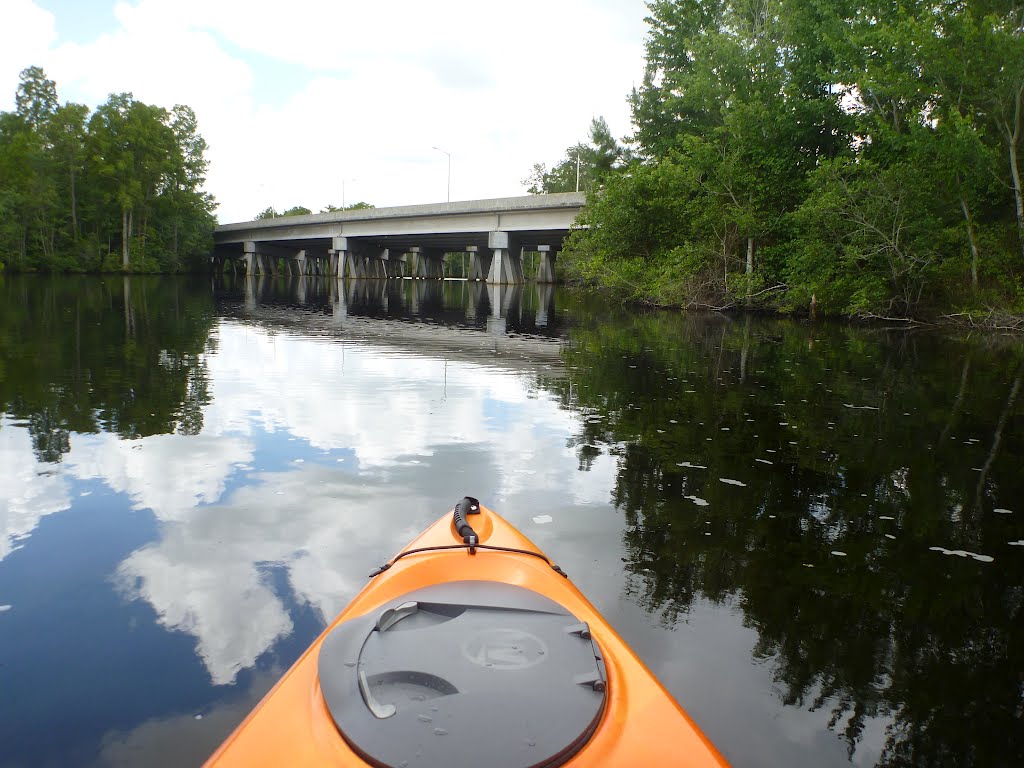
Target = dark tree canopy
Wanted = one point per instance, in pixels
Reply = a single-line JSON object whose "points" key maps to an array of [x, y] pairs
{"points": [[120, 188]]}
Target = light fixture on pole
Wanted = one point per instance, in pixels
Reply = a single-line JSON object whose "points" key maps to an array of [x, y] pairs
{"points": [[449, 171]]}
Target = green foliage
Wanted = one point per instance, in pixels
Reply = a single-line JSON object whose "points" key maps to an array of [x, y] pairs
{"points": [[584, 168], [862, 157], [360, 206], [118, 189]]}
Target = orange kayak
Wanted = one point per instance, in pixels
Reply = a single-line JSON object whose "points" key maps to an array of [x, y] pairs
{"points": [[469, 648]]}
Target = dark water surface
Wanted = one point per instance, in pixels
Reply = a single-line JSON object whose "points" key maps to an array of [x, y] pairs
{"points": [[813, 534]]}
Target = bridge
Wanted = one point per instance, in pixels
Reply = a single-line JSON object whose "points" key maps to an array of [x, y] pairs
{"points": [[416, 241], [513, 327]]}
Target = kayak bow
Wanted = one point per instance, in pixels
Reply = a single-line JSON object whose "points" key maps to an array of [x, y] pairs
{"points": [[469, 648]]}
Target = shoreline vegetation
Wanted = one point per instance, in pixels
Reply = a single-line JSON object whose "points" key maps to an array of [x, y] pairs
{"points": [[856, 160], [117, 190]]}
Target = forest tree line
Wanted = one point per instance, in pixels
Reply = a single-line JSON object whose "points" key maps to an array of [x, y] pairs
{"points": [[854, 158], [300, 210], [120, 188]]}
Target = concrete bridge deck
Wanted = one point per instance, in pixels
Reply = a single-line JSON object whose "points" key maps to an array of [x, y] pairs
{"points": [[409, 241]]}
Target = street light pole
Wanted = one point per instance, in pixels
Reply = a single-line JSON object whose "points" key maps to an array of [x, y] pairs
{"points": [[449, 171], [343, 191]]}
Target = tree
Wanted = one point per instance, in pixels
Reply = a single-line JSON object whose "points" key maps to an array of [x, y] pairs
{"points": [[36, 98], [36, 101], [584, 167], [360, 206], [67, 136], [1005, 95], [72, 184], [189, 210], [861, 151], [131, 146]]}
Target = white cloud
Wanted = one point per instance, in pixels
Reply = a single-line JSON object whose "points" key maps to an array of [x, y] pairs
{"points": [[26, 33], [29, 490], [168, 474], [372, 88]]}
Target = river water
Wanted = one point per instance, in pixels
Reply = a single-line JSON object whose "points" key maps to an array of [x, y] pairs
{"points": [[813, 534]]}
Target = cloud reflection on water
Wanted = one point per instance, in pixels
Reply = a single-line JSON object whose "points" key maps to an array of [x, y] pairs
{"points": [[29, 489], [325, 525]]}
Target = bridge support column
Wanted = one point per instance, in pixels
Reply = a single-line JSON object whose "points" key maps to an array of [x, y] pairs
{"points": [[479, 263], [261, 258], [506, 261], [263, 263], [318, 261], [335, 254], [346, 265], [376, 268], [395, 262], [250, 258], [546, 264], [429, 265], [349, 263]]}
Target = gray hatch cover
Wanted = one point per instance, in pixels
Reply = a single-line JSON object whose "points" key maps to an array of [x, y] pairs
{"points": [[466, 673]]}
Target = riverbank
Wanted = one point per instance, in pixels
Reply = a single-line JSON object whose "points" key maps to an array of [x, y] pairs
{"points": [[986, 319]]}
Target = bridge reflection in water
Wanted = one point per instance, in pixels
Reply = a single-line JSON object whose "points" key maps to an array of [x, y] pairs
{"points": [[515, 324]]}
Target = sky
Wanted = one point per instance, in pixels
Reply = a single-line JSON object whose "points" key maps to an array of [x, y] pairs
{"points": [[317, 102]]}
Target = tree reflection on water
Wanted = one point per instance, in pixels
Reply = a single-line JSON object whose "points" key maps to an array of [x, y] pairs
{"points": [[154, 380], [861, 452]]}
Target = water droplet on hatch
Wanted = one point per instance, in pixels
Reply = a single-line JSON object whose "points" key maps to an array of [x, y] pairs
{"points": [[440, 732], [425, 718]]}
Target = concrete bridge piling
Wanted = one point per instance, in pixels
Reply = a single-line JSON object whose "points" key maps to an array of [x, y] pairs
{"points": [[418, 242]]}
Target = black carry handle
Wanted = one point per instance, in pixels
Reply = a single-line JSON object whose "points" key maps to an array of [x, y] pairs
{"points": [[468, 506]]}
